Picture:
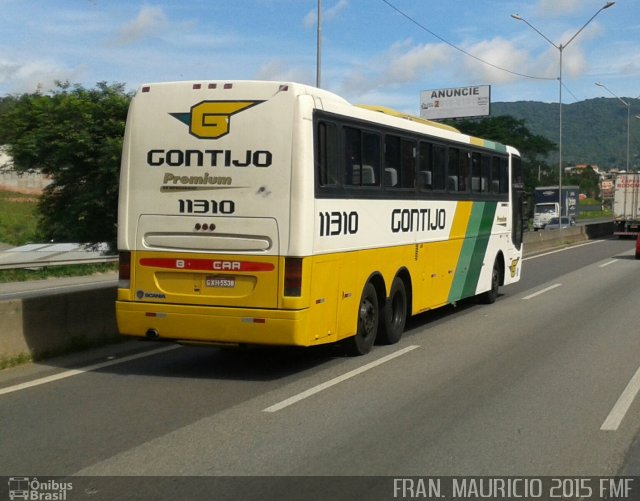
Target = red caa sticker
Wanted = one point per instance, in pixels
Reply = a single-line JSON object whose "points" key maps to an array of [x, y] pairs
{"points": [[206, 264]]}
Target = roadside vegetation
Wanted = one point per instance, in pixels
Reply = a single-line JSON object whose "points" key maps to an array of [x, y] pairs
{"points": [[79, 270], [593, 214], [18, 218], [73, 135], [19, 226]]}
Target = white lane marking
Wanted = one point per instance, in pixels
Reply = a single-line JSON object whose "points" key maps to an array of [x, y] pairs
{"points": [[316, 389], [551, 287], [82, 370], [607, 263], [571, 247], [621, 407]]}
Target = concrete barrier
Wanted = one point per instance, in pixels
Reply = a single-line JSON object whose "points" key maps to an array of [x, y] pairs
{"points": [[538, 241], [52, 324], [55, 323]]}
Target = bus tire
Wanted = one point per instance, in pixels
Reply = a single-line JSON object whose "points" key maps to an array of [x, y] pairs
{"points": [[395, 313], [368, 320], [491, 295]]}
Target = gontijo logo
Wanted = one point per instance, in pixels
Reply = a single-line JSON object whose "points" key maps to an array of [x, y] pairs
{"points": [[212, 119]]}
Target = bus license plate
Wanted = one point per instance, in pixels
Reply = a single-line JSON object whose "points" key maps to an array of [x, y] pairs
{"points": [[227, 283]]}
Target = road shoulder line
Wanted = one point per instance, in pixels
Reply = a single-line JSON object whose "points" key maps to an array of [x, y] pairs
{"points": [[332, 382]]}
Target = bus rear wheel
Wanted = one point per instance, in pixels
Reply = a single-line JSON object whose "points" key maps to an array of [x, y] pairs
{"points": [[368, 319], [395, 313]]}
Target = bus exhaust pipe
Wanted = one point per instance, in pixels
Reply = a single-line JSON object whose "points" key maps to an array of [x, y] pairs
{"points": [[152, 334]]}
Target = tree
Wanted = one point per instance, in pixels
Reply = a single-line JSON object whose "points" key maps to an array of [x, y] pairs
{"points": [[588, 180], [508, 130], [6, 103], [74, 135]]}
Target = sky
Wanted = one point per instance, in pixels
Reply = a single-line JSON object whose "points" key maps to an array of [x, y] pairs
{"points": [[378, 52]]}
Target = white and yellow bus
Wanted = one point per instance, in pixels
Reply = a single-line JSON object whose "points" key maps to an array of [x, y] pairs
{"points": [[279, 214]]}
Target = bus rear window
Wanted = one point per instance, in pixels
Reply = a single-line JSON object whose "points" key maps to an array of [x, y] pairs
{"points": [[327, 160]]}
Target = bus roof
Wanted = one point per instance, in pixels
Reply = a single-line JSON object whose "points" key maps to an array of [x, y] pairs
{"points": [[301, 89], [394, 113]]}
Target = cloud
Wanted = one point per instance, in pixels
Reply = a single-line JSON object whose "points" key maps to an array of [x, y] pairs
{"points": [[505, 59], [33, 75], [552, 8], [575, 63], [329, 14], [413, 64], [148, 21], [440, 65], [280, 70], [402, 63]]}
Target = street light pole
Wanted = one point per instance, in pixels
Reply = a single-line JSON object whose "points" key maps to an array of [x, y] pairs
{"points": [[318, 44], [561, 48], [628, 105]]}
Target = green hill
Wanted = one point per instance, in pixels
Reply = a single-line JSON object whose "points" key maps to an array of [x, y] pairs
{"points": [[594, 131]]}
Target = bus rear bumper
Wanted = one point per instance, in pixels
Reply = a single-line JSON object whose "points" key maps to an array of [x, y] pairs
{"points": [[204, 324]]}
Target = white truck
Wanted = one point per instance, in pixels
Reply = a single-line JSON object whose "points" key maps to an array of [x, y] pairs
{"points": [[546, 202], [626, 204]]}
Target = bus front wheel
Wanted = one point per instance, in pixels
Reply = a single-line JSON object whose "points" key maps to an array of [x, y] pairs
{"points": [[368, 319], [491, 295]]}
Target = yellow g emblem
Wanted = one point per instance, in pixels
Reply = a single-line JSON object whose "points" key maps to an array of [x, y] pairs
{"points": [[211, 119], [513, 267]]}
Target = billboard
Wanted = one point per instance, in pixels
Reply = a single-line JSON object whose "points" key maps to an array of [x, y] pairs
{"points": [[472, 101]]}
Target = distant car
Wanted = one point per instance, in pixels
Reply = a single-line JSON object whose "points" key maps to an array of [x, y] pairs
{"points": [[638, 247], [553, 223]]}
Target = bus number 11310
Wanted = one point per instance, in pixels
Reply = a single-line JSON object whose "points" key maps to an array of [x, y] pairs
{"points": [[338, 223]]}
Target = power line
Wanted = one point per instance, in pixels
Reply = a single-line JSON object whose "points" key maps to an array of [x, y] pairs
{"points": [[569, 91], [421, 26]]}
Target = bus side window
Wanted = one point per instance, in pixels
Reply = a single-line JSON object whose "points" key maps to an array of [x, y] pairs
{"points": [[327, 154], [425, 166], [392, 160], [399, 162], [476, 172], [495, 174], [458, 172], [353, 160], [371, 159], [499, 175], [362, 158], [504, 175], [408, 166], [486, 173], [439, 163], [464, 169], [452, 169]]}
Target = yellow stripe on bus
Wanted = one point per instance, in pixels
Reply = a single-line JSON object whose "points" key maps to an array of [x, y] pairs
{"points": [[442, 258]]}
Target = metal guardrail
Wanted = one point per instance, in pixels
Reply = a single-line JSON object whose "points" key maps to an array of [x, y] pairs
{"points": [[46, 255], [44, 263]]}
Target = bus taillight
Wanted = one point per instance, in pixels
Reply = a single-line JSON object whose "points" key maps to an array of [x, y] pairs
{"points": [[124, 270], [293, 276]]}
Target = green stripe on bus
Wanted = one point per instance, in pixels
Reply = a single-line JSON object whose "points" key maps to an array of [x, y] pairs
{"points": [[473, 250], [466, 252], [495, 146], [480, 249]]}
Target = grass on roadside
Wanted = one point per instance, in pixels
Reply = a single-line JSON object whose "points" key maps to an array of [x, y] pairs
{"points": [[18, 226], [8, 362], [79, 270], [18, 218], [607, 213]]}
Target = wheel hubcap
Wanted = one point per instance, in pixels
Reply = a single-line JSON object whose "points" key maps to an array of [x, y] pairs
{"points": [[367, 316]]}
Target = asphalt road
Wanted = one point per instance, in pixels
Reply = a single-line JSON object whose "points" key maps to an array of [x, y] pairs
{"points": [[541, 383]]}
